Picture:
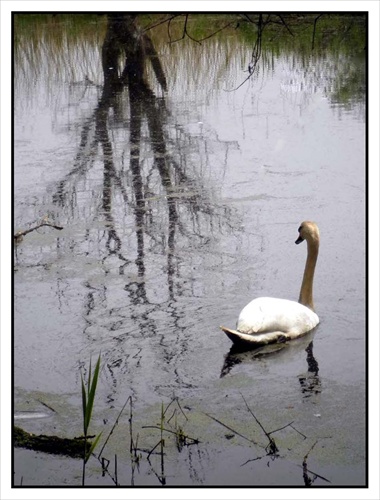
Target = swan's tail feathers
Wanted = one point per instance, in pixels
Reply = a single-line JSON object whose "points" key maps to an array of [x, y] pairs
{"points": [[228, 331], [253, 340]]}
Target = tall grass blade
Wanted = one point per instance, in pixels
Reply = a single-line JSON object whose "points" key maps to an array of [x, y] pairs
{"points": [[92, 383], [88, 397], [84, 405], [89, 378]]}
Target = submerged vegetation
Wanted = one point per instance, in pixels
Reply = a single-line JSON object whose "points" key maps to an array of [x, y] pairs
{"points": [[169, 428], [171, 425]]}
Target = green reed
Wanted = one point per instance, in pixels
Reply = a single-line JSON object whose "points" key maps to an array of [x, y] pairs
{"points": [[88, 397]]}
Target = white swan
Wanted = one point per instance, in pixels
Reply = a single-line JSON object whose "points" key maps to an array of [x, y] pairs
{"points": [[266, 320]]}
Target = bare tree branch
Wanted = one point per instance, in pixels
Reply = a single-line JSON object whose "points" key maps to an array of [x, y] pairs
{"points": [[284, 23], [217, 31], [314, 28], [163, 21]]}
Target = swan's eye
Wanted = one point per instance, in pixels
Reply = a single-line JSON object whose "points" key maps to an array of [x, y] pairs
{"points": [[299, 229]]}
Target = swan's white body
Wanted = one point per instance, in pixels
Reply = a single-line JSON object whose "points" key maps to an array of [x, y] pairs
{"points": [[267, 320]]}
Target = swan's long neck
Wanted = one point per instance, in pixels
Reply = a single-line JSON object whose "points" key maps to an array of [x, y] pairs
{"points": [[306, 293]]}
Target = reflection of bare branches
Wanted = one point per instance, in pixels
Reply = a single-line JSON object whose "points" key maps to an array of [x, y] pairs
{"points": [[82, 163], [185, 32], [256, 52], [159, 190], [162, 21], [260, 24], [285, 24]]}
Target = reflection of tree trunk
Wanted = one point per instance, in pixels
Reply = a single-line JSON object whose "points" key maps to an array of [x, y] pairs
{"points": [[123, 36], [143, 101], [124, 43], [137, 185], [111, 51], [109, 168]]}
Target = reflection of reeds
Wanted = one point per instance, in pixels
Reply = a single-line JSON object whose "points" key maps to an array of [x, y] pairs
{"points": [[67, 47], [56, 48]]}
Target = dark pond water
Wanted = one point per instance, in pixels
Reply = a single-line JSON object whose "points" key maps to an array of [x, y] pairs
{"points": [[177, 209]]}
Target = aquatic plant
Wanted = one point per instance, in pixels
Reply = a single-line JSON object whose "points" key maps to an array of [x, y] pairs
{"points": [[88, 397]]}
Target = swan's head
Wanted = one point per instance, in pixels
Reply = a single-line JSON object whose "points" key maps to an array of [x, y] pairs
{"points": [[308, 231]]}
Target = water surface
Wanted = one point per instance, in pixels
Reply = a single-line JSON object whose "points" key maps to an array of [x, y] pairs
{"points": [[176, 211]]}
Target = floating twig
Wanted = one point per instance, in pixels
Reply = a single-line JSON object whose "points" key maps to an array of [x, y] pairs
{"points": [[113, 427], [20, 234], [175, 400], [292, 426], [231, 429], [283, 427], [47, 406], [250, 460], [308, 481], [305, 469]]}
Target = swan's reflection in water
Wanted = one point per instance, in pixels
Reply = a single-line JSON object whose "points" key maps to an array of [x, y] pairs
{"points": [[310, 382], [238, 355]]}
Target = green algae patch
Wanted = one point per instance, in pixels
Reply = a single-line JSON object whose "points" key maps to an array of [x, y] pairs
{"points": [[51, 444]]}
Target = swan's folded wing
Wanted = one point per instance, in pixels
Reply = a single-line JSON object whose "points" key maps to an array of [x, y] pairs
{"points": [[272, 315], [255, 339]]}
